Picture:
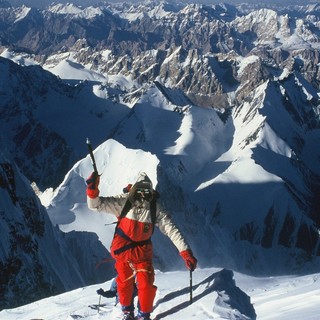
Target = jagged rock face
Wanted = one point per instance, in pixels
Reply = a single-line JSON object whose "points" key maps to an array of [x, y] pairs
{"points": [[22, 232], [22, 91], [44, 32], [33, 252]]}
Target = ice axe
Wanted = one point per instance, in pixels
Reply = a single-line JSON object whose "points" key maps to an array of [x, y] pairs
{"points": [[92, 156]]}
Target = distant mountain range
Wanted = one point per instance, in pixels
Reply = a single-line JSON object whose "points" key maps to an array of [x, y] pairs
{"points": [[45, 3], [206, 42], [219, 103]]}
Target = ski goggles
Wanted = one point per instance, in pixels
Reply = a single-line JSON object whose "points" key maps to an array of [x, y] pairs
{"points": [[144, 193]]}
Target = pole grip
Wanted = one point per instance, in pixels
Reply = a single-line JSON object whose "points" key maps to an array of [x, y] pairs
{"points": [[92, 156]]}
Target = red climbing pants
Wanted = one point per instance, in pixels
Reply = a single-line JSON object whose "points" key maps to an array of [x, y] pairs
{"points": [[143, 274]]}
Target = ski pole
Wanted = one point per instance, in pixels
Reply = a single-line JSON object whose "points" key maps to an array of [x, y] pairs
{"points": [[99, 303], [92, 156], [190, 286]]}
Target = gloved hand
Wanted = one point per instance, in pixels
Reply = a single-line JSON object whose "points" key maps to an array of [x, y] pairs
{"points": [[92, 185], [107, 294], [189, 259], [127, 188]]}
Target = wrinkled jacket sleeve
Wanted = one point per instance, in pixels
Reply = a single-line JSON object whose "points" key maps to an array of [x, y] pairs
{"points": [[112, 205], [168, 228]]}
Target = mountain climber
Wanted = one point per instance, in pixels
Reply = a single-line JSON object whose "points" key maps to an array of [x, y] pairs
{"points": [[137, 212]]}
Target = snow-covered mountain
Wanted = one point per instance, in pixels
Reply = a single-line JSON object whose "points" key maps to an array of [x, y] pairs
{"points": [[32, 106], [194, 47], [221, 114], [246, 179]]}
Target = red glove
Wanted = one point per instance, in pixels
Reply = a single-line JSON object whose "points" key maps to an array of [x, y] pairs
{"points": [[189, 259], [92, 185]]}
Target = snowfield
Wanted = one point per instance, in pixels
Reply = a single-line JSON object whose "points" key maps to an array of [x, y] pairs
{"points": [[217, 294]]}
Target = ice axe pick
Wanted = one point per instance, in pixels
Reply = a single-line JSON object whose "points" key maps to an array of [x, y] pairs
{"points": [[92, 156]]}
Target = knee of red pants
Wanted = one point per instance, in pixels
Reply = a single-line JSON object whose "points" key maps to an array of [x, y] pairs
{"points": [[125, 292], [125, 283], [146, 289], [146, 298]]}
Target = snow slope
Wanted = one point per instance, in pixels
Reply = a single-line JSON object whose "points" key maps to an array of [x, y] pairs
{"points": [[217, 294]]}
